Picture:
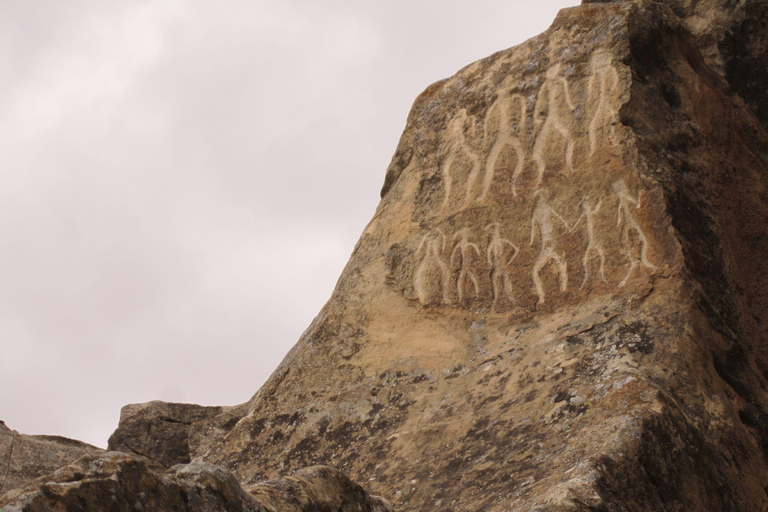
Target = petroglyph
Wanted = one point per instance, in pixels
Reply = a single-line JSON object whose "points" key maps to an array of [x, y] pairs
{"points": [[603, 81], [551, 122], [458, 144], [629, 224], [500, 254], [431, 280], [462, 253], [588, 213], [505, 129], [541, 220], [470, 266]]}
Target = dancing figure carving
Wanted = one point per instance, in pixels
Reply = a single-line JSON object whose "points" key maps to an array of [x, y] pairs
{"points": [[588, 213], [500, 254], [541, 221], [457, 144], [551, 121], [462, 253], [432, 276], [603, 81], [505, 127], [629, 224]]}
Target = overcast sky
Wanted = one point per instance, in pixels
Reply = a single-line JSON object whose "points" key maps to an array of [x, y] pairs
{"points": [[182, 182]]}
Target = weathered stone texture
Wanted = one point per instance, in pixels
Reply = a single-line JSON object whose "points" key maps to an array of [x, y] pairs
{"points": [[24, 458], [561, 302], [117, 482], [159, 431]]}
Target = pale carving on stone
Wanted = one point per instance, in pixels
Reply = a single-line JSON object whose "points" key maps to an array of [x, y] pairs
{"points": [[588, 214], [547, 117], [462, 254], [500, 254], [458, 143], [504, 137], [541, 221], [432, 276], [603, 81], [629, 224]]}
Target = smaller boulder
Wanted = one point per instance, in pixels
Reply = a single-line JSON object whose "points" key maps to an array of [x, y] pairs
{"points": [[159, 432]]}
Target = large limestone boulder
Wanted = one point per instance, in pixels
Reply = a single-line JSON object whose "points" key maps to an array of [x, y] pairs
{"points": [[560, 302], [24, 458]]}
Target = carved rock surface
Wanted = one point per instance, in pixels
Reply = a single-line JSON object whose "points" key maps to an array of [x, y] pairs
{"points": [[561, 302], [119, 482], [159, 431], [24, 458]]}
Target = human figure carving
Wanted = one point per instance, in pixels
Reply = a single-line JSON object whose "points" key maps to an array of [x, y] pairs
{"points": [[504, 137], [462, 253], [603, 80], [432, 274], [548, 94], [500, 254], [542, 217], [628, 224], [457, 144], [588, 213]]}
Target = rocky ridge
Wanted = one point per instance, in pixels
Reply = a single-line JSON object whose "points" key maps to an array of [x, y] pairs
{"points": [[117, 482], [25, 458], [560, 303]]}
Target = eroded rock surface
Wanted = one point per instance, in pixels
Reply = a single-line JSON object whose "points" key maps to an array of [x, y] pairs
{"points": [[119, 482], [24, 458], [733, 39], [561, 302], [159, 431]]}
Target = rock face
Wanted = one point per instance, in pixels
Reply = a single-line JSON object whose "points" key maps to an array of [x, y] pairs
{"points": [[24, 458], [159, 432], [117, 482], [733, 38], [561, 302]]}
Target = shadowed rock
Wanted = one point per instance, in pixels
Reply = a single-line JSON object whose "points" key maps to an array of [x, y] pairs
{"points": [[117, 482], [159, 431]]}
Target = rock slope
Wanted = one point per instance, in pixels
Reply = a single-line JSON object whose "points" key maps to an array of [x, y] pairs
{"points": [[561, 302], [24, 458]]}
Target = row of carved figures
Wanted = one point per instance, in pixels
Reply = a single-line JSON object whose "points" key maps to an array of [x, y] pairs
{"points": [[508, 118], [452, 272]]}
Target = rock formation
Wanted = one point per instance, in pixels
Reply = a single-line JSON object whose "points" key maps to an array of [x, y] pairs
{"points": [[561, 302], [24, 458], [159, 432], [118, 482]]}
